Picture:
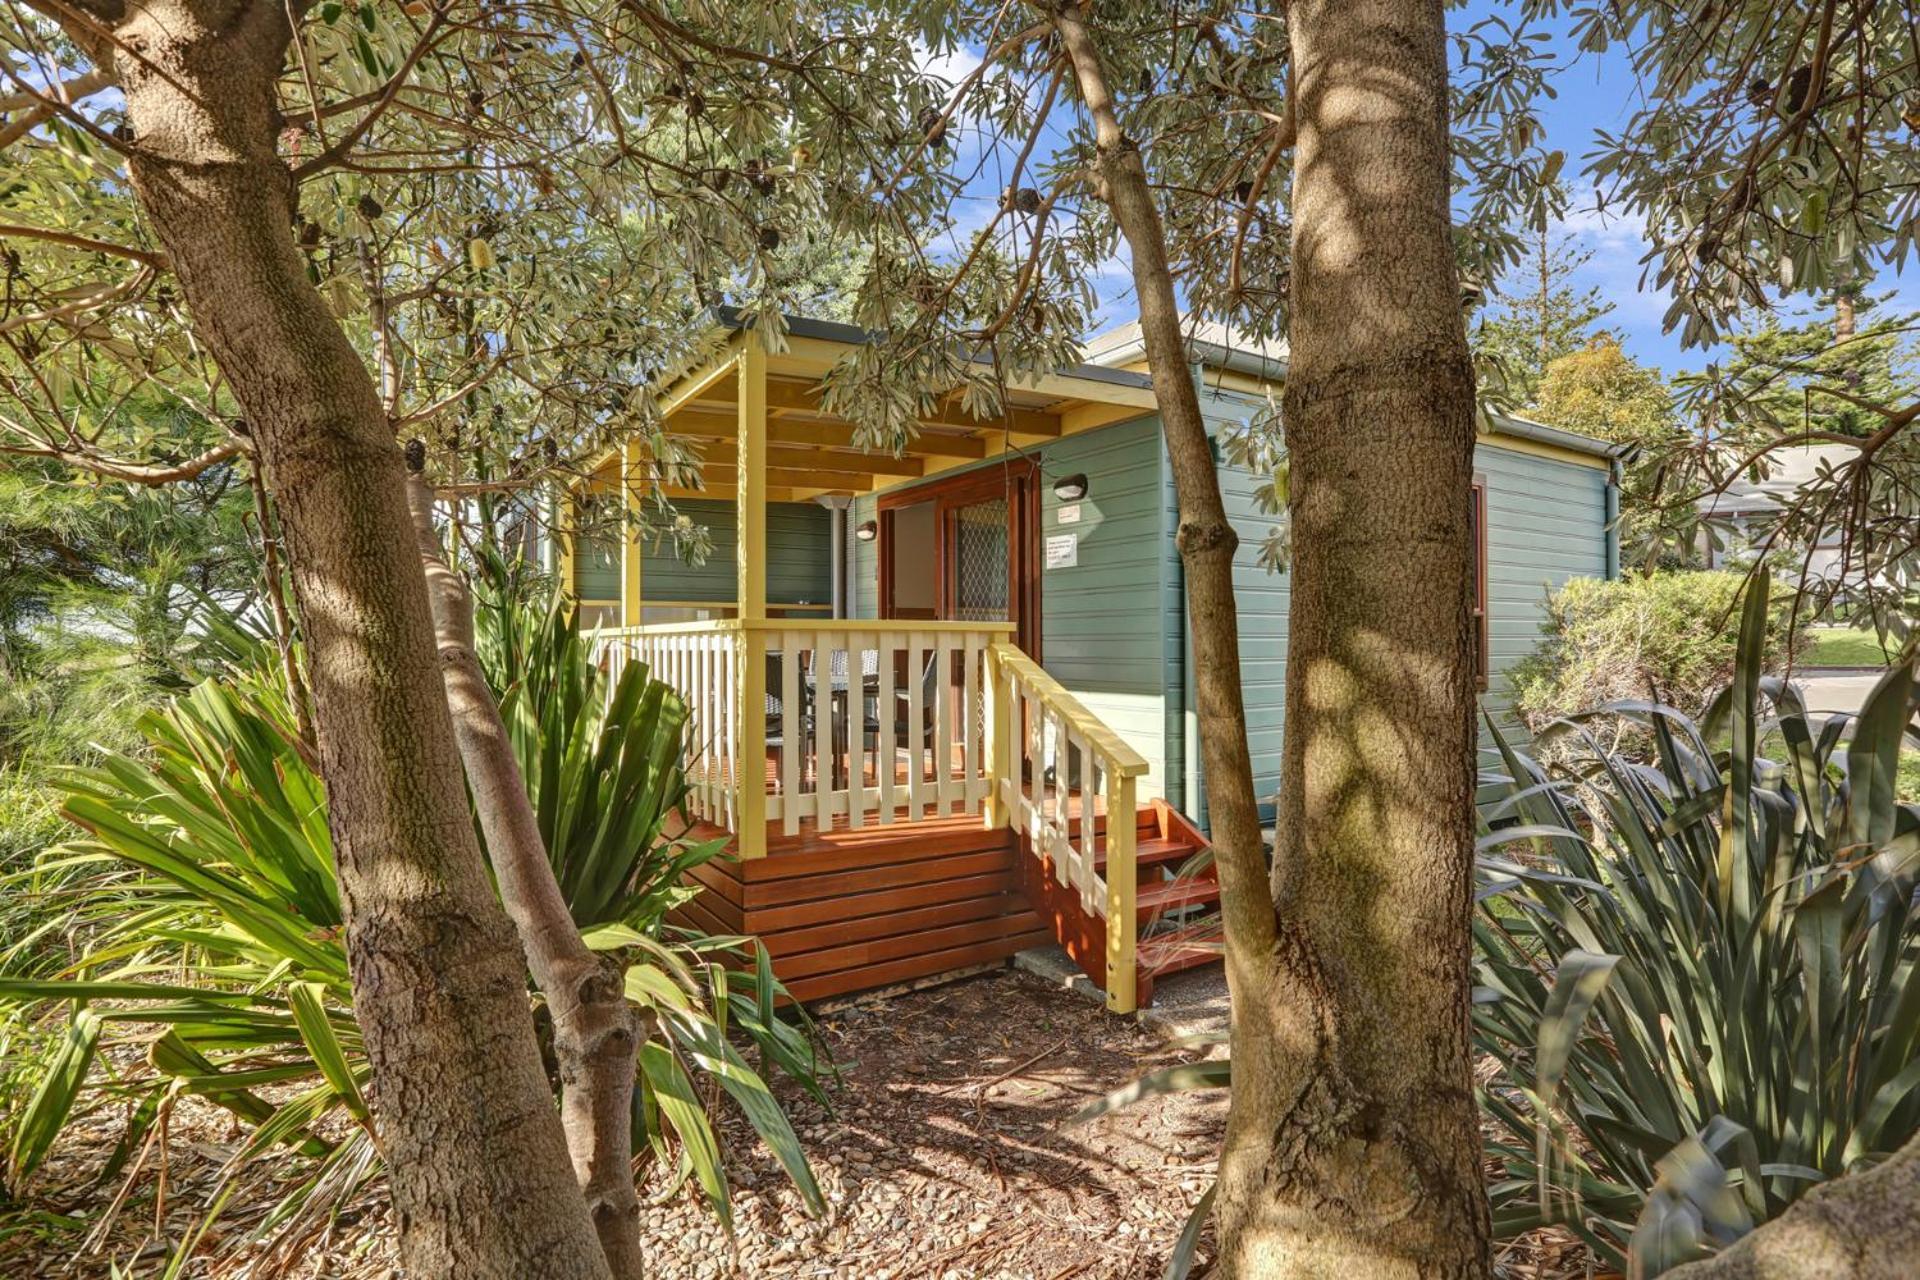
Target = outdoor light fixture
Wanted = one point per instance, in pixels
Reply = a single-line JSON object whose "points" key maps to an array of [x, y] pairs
{"points": [[866, 531], [1071, 488]]}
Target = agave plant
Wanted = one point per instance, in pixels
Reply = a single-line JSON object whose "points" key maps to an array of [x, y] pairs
{"points": [[1697, 971], [211, 910], [603, 766]]}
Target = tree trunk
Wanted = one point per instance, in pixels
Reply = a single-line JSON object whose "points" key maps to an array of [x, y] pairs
{"points": [[1206, 540], [1862, 1227], [595, 1034], [1352, 1144], [479, 1165], [1352, 1147]]}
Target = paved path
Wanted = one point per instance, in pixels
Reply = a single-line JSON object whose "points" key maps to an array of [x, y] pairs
{"points": [[1836, 691]]}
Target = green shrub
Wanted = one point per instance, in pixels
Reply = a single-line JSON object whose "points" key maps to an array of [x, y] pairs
{"points": [[1669, 637], [1697, 973], [214, 953]]}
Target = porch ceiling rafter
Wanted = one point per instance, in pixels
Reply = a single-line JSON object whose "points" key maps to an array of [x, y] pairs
{"points": [[723, 452], [826, 433]]}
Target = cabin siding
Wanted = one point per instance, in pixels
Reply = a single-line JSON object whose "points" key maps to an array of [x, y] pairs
{"points": [[1101, 632], [1546, 523], [596, 570], [799, 556], [1262, 600], [866, 561]]}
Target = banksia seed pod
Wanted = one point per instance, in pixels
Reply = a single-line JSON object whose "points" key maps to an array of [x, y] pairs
{"points": [[1759, 93], [416, 455], [369, 208], [1800, 88], [934, 126], [769, 238]]}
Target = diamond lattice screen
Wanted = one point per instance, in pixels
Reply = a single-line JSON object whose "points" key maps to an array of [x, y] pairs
{"points": [[980, 562]]}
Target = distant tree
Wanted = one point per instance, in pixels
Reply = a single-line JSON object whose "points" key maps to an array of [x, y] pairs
{"points": [[1602, 391], [1814, 376], [1538, 317]]}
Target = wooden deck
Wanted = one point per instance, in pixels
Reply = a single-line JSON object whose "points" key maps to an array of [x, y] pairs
{"points": [[844, 910]]}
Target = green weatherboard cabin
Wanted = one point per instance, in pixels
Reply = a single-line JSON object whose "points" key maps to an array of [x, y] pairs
{"points": [[941, 701]]}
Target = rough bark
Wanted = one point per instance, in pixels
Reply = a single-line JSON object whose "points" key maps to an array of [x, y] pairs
{"points": [[271, 570], [1206, 540], [596, 1037], [479, 1168], [1862, 1227], [1351, 1147]]}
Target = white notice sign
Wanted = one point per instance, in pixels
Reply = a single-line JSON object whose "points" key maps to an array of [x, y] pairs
{"points": [[1063, 550], [1069, 514]]}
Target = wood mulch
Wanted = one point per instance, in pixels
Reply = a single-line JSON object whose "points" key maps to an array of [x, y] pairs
{"points": [[947, 1156]]}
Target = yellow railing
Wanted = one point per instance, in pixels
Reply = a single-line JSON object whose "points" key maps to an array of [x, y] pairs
{"points": [[854, 721], [875, 722], [1057, 770]]}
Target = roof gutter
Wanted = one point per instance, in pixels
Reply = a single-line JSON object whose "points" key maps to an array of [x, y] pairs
{"points": [[1207, 354], [1521, 429]]}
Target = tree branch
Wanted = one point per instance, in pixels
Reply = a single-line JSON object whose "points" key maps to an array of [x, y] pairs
{"points": [[150, 474], [158, 261]]}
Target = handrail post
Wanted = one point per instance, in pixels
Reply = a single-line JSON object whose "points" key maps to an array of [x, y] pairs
{"points": [[1000, 742], [750, 740], [1122, 880]]}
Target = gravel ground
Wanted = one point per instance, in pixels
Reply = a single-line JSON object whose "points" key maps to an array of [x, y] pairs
{"points": [[946, 1156]]}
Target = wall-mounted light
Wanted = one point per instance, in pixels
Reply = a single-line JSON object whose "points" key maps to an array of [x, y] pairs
{"points": [[1071, 488], [866, 531]]}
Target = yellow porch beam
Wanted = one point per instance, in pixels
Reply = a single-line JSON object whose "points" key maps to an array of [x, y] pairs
{"points": [[727, 493], [699, 382], [804, 397]]}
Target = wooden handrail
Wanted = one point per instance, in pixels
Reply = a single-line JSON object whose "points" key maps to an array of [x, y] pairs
{"points": [[1121, 758], [1057, 811]]}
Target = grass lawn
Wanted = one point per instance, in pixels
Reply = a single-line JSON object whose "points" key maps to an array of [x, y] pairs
{"points": [[1842, 647], [1907, 781]]}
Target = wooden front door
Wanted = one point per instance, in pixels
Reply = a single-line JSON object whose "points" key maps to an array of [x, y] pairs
{"points": [[966, 550]]}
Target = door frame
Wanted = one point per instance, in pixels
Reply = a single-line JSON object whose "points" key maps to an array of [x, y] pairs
{"points": [[1017, 480]]}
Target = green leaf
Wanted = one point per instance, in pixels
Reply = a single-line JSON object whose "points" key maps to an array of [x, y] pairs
{"points": [[1180, 1261], [1214, 1073], [53, 1099], [1873, 758], [316, 1030]]}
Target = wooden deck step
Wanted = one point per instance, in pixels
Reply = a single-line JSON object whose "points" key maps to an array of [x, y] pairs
{"points": [[1155, 852], [1170, 895]]}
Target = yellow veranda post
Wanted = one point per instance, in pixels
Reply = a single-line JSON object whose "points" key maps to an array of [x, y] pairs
{"points": [[750, 496], [630, 546]]}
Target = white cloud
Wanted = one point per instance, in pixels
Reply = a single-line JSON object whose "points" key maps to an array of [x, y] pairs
{"points": [[949, 68]]}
